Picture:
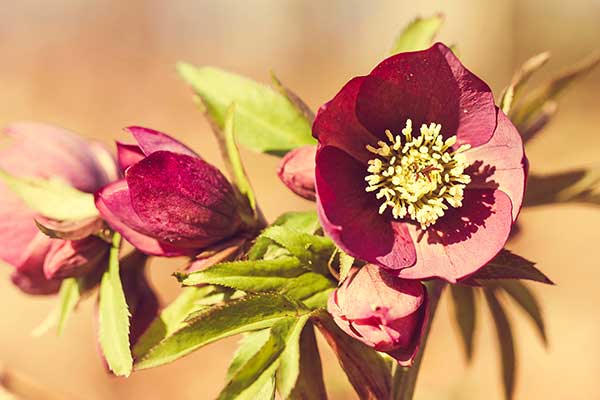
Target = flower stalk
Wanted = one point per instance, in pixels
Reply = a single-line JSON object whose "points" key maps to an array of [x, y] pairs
{"points": [[404, 379]]}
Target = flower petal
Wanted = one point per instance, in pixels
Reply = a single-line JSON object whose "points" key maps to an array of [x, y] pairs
{"points": [[17, 226], [427, 86], [182, 199], [114, 204], [500, 163], [336, 123], [57, 153], [128, 154], [464, 240], [297, 171], [349, 215], [29, 273], [151, 141]]}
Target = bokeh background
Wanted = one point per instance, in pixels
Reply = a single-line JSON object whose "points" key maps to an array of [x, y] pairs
{"points": [[96, 66]]}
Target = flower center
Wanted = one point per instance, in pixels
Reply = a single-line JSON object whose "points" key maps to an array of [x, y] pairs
{"points": [[420, 176]]}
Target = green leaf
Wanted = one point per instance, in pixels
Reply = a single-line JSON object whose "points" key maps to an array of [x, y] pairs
{"points": [[266, 121], [507, 265], [255, 276], [300, 105], [248, 347], [309, 384], [70, 293], [53, 198], [526, 299], [506, 342], [311, 288], [280, 348], [511, 94], [529, 108], [418, 35], [172, 317], [252, 312], [367, 371], [114, 316], [576, 186], [465, 315]]}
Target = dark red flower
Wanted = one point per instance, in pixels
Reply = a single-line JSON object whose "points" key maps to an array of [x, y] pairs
{"points": [[417, 170], [171, 201], [382, 311]]}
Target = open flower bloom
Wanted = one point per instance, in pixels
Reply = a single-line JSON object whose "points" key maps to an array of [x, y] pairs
{"points": [[417, 171], [383, 311], [43, 151], [171, 202]]}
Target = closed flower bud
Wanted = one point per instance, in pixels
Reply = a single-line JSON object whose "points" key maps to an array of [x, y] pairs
{"points": [[297, 171], [382, 311], [69, 258]]}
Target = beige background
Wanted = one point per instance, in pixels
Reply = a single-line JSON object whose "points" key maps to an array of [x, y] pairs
{"points": [[97, 66]]}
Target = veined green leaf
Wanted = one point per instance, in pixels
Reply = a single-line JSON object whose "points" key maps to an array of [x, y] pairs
{"points": [[465, 315], [114, 316], [418, 35], [250, 313], [507, 265], [309, 384], [520, 78], [311, 288], [576, 186], [53, 198], [266, 120], [526, 299], [172, 317], [289, 362], [70, 293], [248, 347], [294, 99], [506, 342]]}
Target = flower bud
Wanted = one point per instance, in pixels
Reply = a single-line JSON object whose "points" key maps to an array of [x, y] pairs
{"points": [[382, 311], [68, 258], [297, 171]]}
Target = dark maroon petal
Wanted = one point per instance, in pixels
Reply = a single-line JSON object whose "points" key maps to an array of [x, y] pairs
{"points": [[336, 123], [71, 258], [114, 204], [182, 199], [427, 86], [349, 215], [464, 240], [151, 141], [128, 154], [46, 151], [500, 163]]}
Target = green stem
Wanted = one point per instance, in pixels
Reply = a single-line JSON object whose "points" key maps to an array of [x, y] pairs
{"points": [[405, 379]]}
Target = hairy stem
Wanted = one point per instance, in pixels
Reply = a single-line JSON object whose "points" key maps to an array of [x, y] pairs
{"points": [[405, 379]]}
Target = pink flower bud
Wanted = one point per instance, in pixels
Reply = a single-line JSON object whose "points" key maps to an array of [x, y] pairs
{"points": [[68, 258], [382, 311], [297, 171]]}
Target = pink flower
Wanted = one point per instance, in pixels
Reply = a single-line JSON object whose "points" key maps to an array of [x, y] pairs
{"points": [[382, 311], [297, 171], [417, 171], [38, 150], [171, 202]]}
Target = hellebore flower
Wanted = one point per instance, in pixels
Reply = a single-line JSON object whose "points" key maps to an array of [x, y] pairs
{"points": [[43, 151], [417, 171], [171, 202], [382, 311], [297, 171]]}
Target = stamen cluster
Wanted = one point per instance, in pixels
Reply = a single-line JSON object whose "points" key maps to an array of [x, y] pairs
{"points": [[418, 177]]}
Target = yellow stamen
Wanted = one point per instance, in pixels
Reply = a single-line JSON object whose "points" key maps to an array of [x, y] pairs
{"points": [[418, 177]]}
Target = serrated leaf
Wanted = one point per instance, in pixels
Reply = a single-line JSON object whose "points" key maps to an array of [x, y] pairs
{"points": [[53, 198], [526, 299], [506, 343], [576, 186], [520, 78], [532, 104], [300, 105], [289, 361], [69, 295], [311, 288], [251, 275], [465, 315], [252, 312], [113, 321], [173, 316], [418, 35], [310, 383], [248, 347], [507, 265], [365, 368], [267, 121]]}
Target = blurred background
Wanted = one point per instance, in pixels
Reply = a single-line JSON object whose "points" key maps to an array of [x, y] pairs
{"points": [[97, 66]]}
